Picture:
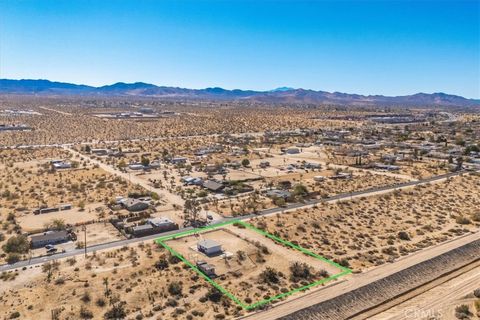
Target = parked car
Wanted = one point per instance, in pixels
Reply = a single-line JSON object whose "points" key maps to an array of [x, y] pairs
{"points": [[52, 251]]}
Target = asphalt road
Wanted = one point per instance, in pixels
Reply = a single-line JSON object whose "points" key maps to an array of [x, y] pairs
{"points": [[293, 206]]}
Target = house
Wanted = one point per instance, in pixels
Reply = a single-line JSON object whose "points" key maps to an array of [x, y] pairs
{"points": [[387, 167], [136, 166], [134, 205], [145, 110], [154, 165], [99, 152], [213, 185], [153, 226], [187, 180], [341, 175], [233, 165], [207, 269], [209, 247], [178, 160], [312, 165], [143, 230], [192, 181], [389, 158], [161, 222], [212, 168], [292, 151], [50, 237], [275, 193], [62, 165]]}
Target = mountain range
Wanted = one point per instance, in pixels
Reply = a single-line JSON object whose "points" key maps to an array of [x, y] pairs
{"points": [[279, 95]]}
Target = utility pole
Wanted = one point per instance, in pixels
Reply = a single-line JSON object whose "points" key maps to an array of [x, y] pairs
{"points": [[84, 229]]}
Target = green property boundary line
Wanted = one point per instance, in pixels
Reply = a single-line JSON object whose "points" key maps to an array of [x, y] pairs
{"points": [[161, 241]]}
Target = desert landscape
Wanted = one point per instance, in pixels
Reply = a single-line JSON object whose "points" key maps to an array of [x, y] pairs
{"points": [[250, 160]]}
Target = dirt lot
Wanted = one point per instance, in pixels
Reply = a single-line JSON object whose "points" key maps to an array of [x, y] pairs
{"points": [[31, 222], [134, 285], [373, 230], [241, 273]]}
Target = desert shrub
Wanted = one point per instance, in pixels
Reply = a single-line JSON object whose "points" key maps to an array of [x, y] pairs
{"points": [[179, 311], [85, 297], [13, 258], [171, 303], [14, 315], [343, 262], [475, 217], [213, 295], [269, 275], [300, 190], [85, 313], [161, 264], [300, 271], [241, 255], [462, 220], [175, 288], [279, 202], [116, 312], [323, 273], [17, 244], [173, 259], [402, 235], [100, 302], [462, 312], [476, 293]]}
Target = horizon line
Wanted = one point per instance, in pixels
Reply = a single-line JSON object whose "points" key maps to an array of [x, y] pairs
{"points": [[229, 89]]}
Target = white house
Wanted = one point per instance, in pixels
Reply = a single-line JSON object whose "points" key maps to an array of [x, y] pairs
{"points": [[209, 247]]}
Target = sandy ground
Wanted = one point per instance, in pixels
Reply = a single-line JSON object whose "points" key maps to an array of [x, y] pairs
{"points": [[169, 197], [234, 274], [30, 222], [358, 280], [439, 302]]}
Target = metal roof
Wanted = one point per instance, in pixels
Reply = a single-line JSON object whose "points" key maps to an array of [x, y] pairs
{"points": [[208, 243]]}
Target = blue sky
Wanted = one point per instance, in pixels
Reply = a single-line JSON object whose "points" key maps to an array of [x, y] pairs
{"points": [[366, 47]]}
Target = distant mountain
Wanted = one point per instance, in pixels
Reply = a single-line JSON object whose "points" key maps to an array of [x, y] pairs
{"points": [[280, 89], [279, 95]]}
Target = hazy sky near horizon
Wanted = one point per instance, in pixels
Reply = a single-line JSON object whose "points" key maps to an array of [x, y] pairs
{"points": [[365, 47]]}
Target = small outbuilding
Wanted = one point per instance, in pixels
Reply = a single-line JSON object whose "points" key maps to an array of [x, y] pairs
{"points": [[207, 269]]}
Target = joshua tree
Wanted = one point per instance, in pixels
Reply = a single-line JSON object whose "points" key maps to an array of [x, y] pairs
{"points": [[105, 283]]}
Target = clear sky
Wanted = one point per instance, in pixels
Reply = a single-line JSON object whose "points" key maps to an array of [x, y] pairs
{"points": [[366, 47]]}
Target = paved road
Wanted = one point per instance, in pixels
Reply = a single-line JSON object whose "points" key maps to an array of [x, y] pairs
{"points": [[291, 207]]}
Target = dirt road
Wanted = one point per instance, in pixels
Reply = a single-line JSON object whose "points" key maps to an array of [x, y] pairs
{"points": [[439, 301]]}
